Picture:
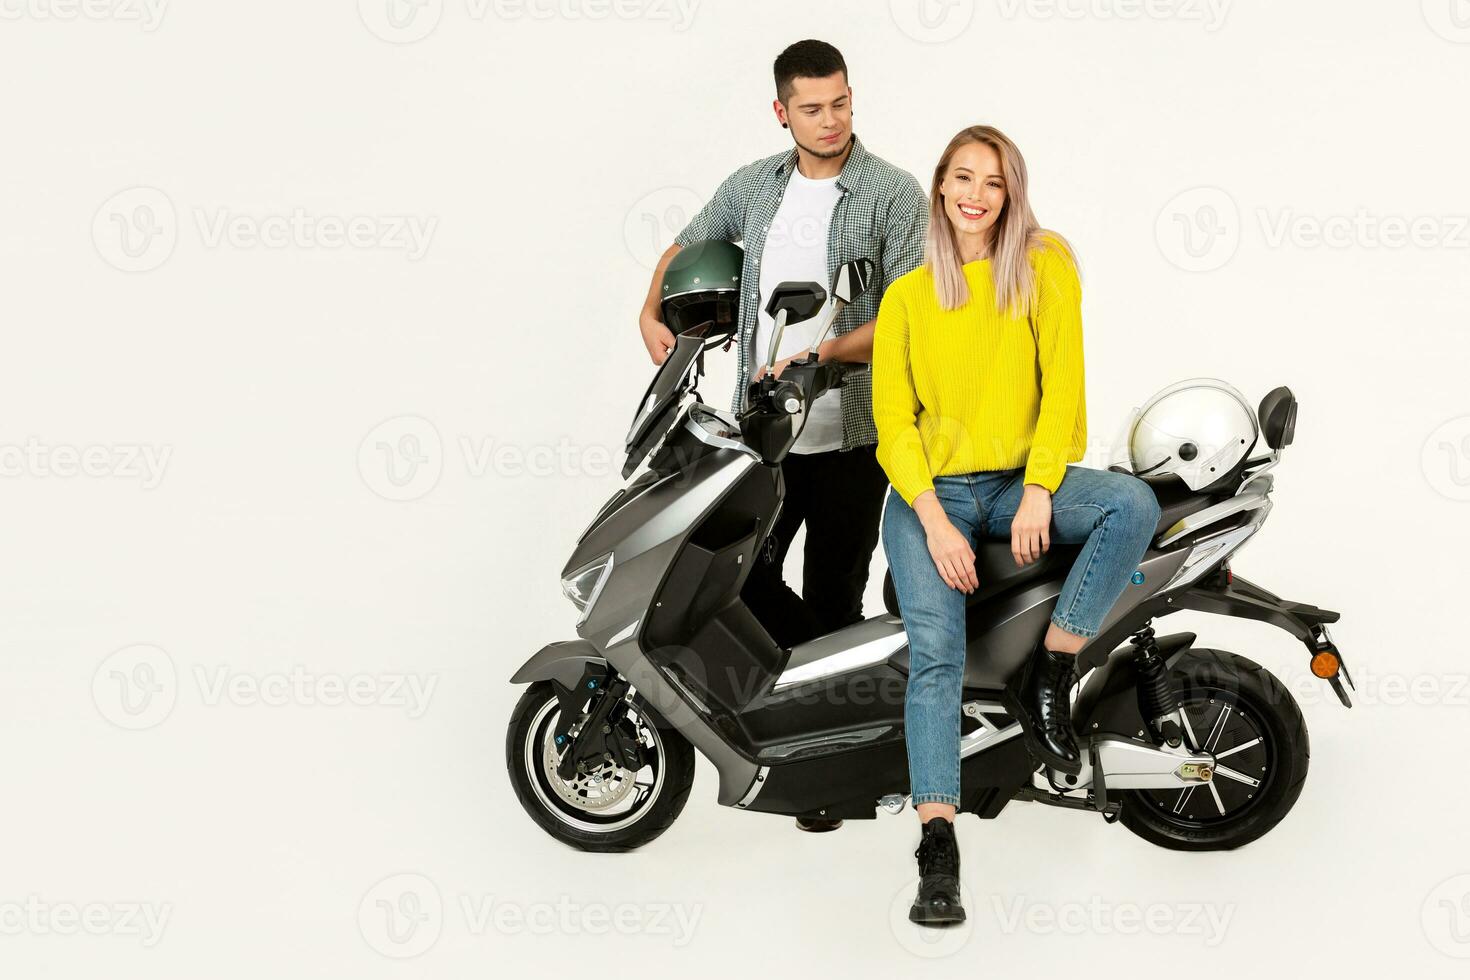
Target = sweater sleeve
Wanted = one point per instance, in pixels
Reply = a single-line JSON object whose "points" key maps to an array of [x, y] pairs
{"points": [[895, 403], [1061, 425]]}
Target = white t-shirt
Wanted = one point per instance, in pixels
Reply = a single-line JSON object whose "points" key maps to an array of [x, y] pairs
{"points": [[796, 251]]}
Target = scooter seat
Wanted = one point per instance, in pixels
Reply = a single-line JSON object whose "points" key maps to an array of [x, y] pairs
{"points": [[996, 569]]}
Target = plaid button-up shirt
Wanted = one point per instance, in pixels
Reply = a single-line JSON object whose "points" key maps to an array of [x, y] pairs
{"points": [[882, 215]]}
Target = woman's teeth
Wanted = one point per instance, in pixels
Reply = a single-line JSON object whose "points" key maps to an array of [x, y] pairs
{"points": [[972, 212]]}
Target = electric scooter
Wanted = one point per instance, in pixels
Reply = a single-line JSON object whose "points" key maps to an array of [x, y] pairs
{"points": [[1190, 747]]}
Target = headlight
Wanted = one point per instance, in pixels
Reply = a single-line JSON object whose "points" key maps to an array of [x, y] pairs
{"points": [[583, 585]]}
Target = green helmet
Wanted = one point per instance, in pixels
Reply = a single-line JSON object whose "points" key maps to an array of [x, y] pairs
{"points": [[702, 284]]}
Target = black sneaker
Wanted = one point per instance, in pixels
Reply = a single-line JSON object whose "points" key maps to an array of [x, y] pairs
{"points": [[938, 901]]}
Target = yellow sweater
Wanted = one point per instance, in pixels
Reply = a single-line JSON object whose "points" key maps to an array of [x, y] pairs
{"points": [[960, 391]]}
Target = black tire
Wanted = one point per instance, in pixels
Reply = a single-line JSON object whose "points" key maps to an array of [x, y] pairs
{"points": [[671, 762], [1247, 702]]}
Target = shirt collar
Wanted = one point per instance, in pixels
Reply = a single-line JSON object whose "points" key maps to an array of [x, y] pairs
{"points": [[850, 170]]}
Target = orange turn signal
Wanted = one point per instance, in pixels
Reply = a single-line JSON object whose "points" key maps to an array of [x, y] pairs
{"points": [[1325, 664]]}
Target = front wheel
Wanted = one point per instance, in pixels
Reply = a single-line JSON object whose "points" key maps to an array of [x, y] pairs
{"points": [[1238, 711], [607, 807]]}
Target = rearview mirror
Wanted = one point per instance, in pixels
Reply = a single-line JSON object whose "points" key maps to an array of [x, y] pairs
{"points": [[800, 300]]}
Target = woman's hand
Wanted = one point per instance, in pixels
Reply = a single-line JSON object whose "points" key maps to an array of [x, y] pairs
{"points": [[950, 549], [1031, 527]]}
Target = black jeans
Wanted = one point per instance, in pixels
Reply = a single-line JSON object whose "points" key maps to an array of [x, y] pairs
{"points": [[839, 495]]}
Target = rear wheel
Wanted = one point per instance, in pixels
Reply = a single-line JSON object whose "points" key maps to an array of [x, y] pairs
{"points": [[606, 807], [1239, 712]]}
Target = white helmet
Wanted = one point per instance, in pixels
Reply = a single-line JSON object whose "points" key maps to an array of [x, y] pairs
{"points": [[1197, 429]]}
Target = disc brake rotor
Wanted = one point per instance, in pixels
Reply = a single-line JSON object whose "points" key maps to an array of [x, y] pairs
{"points": [[600, 788]]}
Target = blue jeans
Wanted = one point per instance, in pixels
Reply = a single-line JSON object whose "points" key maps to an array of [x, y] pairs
{"points": [[1113, 513]]}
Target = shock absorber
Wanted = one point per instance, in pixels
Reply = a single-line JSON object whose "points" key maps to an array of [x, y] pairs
{"points": [[1157, 702]]}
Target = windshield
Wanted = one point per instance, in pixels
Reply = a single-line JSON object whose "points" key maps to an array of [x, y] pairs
{"points": [[657, 408]]}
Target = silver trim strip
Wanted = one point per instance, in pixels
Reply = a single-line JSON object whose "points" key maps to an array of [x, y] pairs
{"points": [[709, 438], [1201, 519], [756, 785], [625, 633], [988, 735], [863, 655]]}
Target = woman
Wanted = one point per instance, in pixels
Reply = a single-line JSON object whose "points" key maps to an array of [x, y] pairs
{"points": [[978, 399]]}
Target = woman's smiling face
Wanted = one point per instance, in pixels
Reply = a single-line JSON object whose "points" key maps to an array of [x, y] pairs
{"points": [[974, 191]]}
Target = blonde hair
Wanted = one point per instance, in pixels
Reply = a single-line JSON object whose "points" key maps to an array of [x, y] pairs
{"points": [[1015, 235]]}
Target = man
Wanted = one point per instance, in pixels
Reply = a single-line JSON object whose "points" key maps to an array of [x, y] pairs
{"points": [[800, 214]]}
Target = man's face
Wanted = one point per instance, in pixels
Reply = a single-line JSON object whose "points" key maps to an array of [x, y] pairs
{"points": [[819, 113]]}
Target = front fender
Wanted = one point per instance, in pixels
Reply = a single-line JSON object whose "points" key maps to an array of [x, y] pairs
{"points": [[563, 661]]}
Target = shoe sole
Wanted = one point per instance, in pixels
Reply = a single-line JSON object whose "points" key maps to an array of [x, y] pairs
{"points": [[1033, 743], [919, 916]]}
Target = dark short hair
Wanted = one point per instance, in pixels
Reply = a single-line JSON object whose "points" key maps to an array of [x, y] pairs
{"points": [[806, 59]]}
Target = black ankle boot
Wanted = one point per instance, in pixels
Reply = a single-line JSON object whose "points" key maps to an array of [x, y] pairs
{"points": [[938, 901], [1040, 698]]}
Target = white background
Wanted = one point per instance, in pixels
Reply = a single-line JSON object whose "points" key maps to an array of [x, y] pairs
{"points": [[549, 154]]}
